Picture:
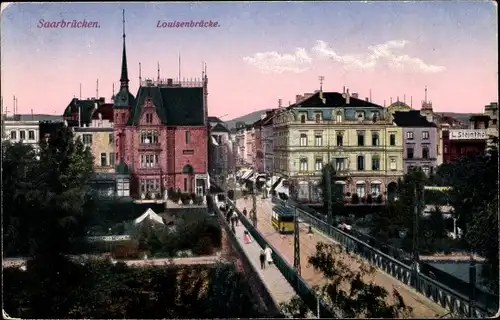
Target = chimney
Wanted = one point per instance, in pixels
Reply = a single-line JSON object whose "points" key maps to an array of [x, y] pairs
{"points": [[280, 102], [367, 100], [347, 97], [170, 82], [298, 97], [355, 95]]}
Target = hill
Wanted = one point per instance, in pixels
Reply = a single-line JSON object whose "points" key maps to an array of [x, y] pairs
{"points": [[248, 118]]}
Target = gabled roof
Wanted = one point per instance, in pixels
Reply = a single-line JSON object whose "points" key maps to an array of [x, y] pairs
{"points": [[151, 215], [411, 118], [213, 119], [175, 106], [219, 127], [106, 111], [333, 99], [86, 110]]}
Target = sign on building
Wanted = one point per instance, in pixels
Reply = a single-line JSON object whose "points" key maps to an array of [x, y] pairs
{"points": [[468, 134]]}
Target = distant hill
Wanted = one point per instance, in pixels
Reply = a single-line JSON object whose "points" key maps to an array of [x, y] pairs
{"points": [[254, 116], [248, 118]]}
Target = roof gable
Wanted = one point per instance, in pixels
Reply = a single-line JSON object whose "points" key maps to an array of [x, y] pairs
{"points": [[219, 127], [333, 99], [411, 118]]}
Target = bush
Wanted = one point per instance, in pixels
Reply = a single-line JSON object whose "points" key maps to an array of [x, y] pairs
{"points": [[369, 199], [198, 199], [355, 198], [363, 199], [185, 197]]}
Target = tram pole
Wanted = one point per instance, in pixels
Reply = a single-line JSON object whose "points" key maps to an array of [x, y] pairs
{"points": [[296, 242]]}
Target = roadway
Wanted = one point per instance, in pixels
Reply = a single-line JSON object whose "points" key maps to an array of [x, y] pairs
{"points": [[422, 307]]}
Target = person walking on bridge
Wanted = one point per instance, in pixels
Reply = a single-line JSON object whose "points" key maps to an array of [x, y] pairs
{"points": [[262, 258], [245, 212], [269, 255], [235, 218]]}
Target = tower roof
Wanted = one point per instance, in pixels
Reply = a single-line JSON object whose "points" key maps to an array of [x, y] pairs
{"points": [[124, 99]]}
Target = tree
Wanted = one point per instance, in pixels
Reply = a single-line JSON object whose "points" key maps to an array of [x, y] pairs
{"points": [[347, 292], [329, 188]]}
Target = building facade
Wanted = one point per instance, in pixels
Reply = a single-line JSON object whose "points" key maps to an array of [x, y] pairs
{"points": [[330, 127], [161, 135], [267, 142], [26, 128], [459, 143], [420, 141], [220, 153]]}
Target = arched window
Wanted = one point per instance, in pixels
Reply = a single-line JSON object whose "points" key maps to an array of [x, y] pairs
{"points": [[188, 169], [303, 119], [318, 118]]}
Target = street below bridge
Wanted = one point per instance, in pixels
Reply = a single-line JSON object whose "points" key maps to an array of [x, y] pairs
{"points": [[422, 307]]}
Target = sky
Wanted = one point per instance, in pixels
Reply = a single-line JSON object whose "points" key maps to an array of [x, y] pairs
{"points": [[257, 53]]}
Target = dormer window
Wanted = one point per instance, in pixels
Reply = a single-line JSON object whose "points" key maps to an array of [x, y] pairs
{"points": [[360, 116], [375, 116], [338, 117], [318, 118], [303, 119]]}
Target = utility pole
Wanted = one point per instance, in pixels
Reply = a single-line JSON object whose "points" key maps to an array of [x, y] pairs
{"points": [[415, 240], [254, 205], [328, 181], [296, 242]]}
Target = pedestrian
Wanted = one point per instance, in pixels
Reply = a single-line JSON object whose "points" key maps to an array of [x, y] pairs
{"points": [[235, 217], [245, 212], [269, 255], [262, 258]]}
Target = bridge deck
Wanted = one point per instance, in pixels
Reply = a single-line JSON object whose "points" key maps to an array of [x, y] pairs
{"points": [[422, 307], [276, 284]]}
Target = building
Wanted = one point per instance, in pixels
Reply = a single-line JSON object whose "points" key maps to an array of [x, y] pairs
{"points": [[491, 110], [240, 141], [220, 150], [267, 138], [26, 128], [256, 146], [250, 143], [420, 141], [460, 142], [98, 134], [161, 135], [353, 134]]}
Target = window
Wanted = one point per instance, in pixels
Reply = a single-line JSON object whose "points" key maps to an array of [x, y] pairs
{"points": [[361, 163], [149, 160], [22, 135], [375, 116], [104, 162], [392, 163], [360, 116], [361, 138], [338, 117], [123, 117], [409, 135], [185, 184], [318, 118], [375, 189], [111, 138], [409, 153], [303, 165], [495, 122], [340, 140], [426, 170], [375, 139], [392, 139], [360, 190], [318, 165], [339, 164], [31, 135], [445, 149], [13, 135], [149, 118], [318, 140], [188, 137], [375, 163], [425, 153], [303, 140], [149, 137], [302, 119], [87, 139], [111, 158]]}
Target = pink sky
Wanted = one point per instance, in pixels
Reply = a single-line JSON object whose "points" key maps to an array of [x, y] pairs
{"points": [[262, 52]]}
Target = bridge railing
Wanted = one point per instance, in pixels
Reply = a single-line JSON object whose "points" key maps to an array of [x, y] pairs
{"points": [[449, 299], [305, 292]]}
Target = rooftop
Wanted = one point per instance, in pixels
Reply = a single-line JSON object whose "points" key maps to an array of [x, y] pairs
{"points": [[411, 118]]}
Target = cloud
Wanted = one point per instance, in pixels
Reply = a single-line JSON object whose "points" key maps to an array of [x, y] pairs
{"points": [[381, 54], [274, 62]]}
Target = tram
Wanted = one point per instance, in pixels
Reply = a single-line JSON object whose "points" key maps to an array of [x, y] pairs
{"points": [[282, 219]]}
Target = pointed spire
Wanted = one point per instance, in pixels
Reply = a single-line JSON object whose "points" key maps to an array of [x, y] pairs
{"points": [[113, 95], [124, 76]]}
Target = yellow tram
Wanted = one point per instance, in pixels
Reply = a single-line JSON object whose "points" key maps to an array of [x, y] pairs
{"points": [[282, 219]]}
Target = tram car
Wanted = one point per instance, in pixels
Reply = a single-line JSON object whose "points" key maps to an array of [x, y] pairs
{"points": [[283, 219]]}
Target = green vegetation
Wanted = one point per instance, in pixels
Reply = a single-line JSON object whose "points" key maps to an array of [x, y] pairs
{"points": [[347, 292], [48, 209]]}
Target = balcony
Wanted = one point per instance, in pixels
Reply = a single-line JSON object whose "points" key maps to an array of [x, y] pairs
{"points": [[149, 146]]}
